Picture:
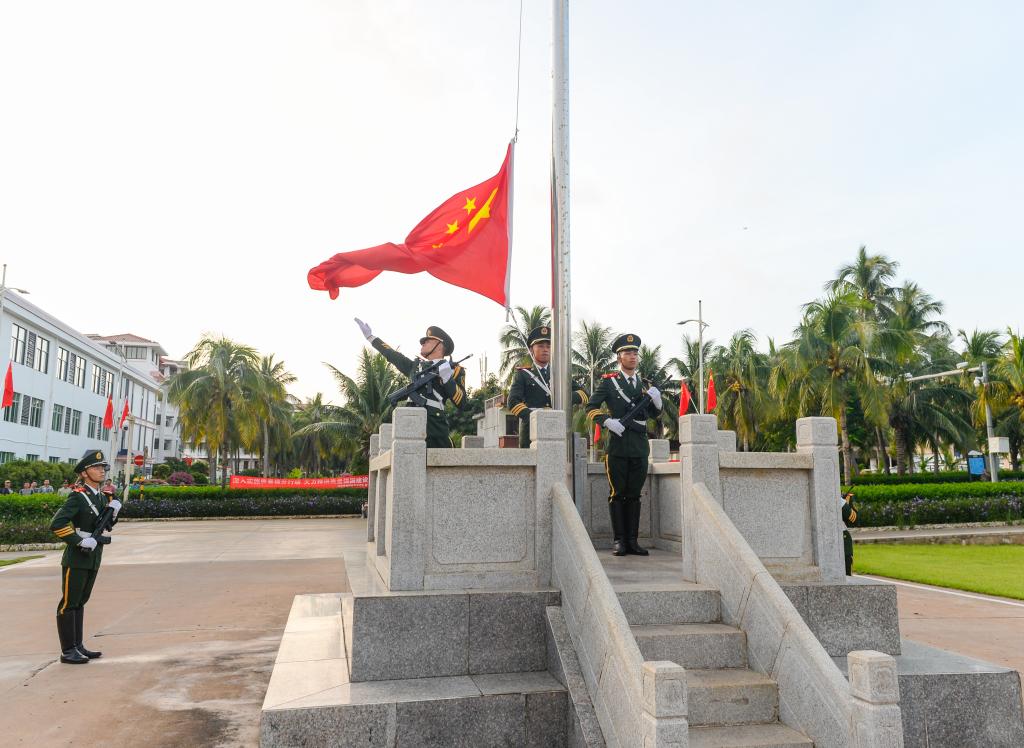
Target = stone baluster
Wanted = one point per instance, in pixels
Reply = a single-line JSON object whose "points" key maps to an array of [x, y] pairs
{"points": [[698, 463], [659, 451], [727, 441], [664, 697], [407, 488], [472, 442], [371, 489], [817, 437], [874, 685], [547, 432]]}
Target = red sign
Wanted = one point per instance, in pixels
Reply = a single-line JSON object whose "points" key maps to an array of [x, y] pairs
{"points": [[188, 460], [345, 481], [139, 460]]}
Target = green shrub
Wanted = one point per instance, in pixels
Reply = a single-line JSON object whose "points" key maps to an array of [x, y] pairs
{"points": [[19, 471], [216, 492], [241, 506], [161, 471], [881, 479], [908, 492], [920, 511]]}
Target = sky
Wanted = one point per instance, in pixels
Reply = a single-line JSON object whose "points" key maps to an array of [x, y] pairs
{"points": [[174, 169]]}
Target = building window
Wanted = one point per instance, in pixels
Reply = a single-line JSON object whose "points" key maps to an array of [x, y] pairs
{"points": [[6, 457], [167, 445], [156, 443], [158, 420], [104, 434], [36, 415], [136, 352], [58, 417], [170, 419], [67, 420], [79, 371], [91, 433], [55, 460], [97, 379], [63, 359], [19, 339], [11, 413], [31, 458], [76, 422]]}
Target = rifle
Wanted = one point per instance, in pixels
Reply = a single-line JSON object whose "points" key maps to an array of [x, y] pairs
{"points": [[412, 391], [104, 522], [640, 406]]}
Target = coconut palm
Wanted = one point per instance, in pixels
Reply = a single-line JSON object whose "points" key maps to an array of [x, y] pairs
{"points": [[312, 436], [654, 372], [687, 366], [1009, 392], [592, 353], [868, 277], [269, 396], [514, 350], [742, 381]]}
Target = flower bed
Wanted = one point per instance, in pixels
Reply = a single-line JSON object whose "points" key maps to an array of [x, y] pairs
{"points": [[881, 479], [921, 511], [896, 493]]}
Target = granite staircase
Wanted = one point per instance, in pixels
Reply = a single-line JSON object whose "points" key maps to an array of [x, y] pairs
{"points": [[729, 704]]}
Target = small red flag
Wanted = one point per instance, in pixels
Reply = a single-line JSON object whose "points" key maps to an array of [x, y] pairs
{"points": [[124, 413], [597, 433], [712, 398], [465, 242], [108, 417], [9, 387], [684, 399]]}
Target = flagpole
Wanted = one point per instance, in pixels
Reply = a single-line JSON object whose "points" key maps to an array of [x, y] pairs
{"points": [[700, 349], [561, 306]]}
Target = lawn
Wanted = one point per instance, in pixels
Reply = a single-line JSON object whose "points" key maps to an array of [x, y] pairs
{"points": [[989, 569], [18, 560]]}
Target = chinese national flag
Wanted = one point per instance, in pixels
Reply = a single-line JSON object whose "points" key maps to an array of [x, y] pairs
{"points": [[108, 417], [124, 414], [597, 433], [684, 399], [712, 397], [8, 400], [464, 241]]}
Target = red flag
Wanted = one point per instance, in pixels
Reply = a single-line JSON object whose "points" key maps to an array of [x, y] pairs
{"points": [[712, 398], [684, 399], [9, 387], [108, 417], [124, 413], [465, 242], [597, 433]]}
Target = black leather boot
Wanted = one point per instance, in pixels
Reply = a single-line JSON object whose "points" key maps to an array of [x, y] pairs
{"points": [[618, 517], [79, 618], [66, 632], [633, 522]]}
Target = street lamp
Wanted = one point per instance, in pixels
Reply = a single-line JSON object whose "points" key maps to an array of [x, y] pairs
{"points": [[701, 324]]}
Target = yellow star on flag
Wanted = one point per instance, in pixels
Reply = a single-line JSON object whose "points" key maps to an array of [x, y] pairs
{"points": [[452, 227], [470, 205]]}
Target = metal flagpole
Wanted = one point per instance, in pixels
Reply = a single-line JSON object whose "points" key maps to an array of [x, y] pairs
{"points": [[700, 349], [561, 392]]}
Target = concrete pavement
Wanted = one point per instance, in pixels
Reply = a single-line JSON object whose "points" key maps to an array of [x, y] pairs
{"points": [[189, 616]]}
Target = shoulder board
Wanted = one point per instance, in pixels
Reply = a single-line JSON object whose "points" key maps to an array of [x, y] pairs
{"points": [[610, 375]]}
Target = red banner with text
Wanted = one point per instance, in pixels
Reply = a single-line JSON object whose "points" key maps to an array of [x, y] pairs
{"points": [[345, 481]]}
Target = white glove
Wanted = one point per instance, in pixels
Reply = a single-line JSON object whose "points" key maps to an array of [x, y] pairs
{"points": [[655, 394], [88, 543], [445, 372], [364, 329], [116, 505], [615, 426]]}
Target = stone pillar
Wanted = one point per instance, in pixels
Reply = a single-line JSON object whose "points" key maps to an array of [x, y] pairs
{"points": [[698, 463], [387, 431], [664, 697], [818, 437], [875, 687], [579, 474], [371, 488], [472, 442], [659, 450], [727, 441], [406, 499], [547, 431]]}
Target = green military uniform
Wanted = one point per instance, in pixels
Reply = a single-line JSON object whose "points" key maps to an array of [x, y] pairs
{"points": [[438, 431], [531, 388], [73, 523], [849, 519], [626, 460]]}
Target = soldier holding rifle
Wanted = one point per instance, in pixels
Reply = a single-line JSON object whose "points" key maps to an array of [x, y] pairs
{"points": [[447, 383], [80, 523], [630, 403]]}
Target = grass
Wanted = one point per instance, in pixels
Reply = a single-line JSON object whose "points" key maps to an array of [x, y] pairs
{"points": [[988, 569], [18, 560]]}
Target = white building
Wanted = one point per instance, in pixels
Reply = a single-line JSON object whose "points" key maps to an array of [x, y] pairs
{"points": [[61, 382]]}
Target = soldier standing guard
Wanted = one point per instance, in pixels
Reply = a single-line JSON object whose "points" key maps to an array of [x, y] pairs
{"points": [[450, 383], [626, 461], [74, 523], [531, 385]]}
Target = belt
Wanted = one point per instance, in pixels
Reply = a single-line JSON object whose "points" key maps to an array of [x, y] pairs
{"points": [[434, 404], [83, 534]]}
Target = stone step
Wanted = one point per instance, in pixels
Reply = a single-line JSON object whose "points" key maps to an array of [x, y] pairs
{"points": [[768, 735], [731, 697], [693, 645], [670, 603]]}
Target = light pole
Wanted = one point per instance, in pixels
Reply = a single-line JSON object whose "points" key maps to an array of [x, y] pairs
{"points": [[4, 288], [963, 368], [701, 324]]}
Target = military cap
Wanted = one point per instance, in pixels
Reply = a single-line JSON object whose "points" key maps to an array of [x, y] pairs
{"points": [[90, 458], [626, 342], [436, 333], [540, 334]]}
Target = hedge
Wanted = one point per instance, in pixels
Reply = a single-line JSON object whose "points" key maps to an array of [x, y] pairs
{"points": [[881, 479], [921, 511], [871, 494], [216, 492]]}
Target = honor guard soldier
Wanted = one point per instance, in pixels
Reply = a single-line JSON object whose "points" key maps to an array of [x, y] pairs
{"points": [[626, 462], [76, 523], [850, 520], [531, 385], [449, 384]]}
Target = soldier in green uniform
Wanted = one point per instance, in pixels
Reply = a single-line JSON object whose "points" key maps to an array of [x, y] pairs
{"points": [[626, 461], [74, 523], [531, 385], [450, 383], [849, 519]]}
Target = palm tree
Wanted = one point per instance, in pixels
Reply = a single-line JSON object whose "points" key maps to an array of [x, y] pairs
{"points": [[687, 367], [868, 276], [1009, 392], [592, 355], [653, 371], [270, 398], [743, 379], [312, 438], [212, 397], [513, 337]]}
